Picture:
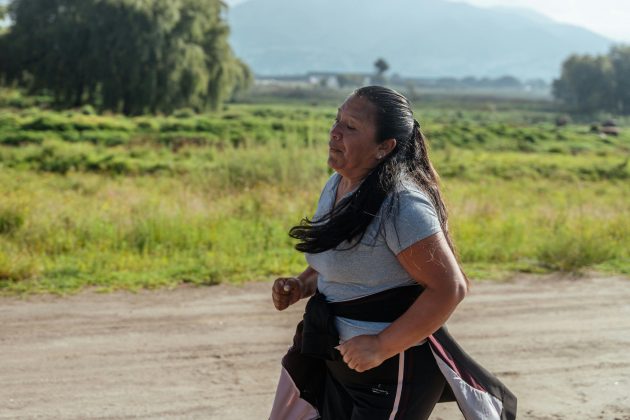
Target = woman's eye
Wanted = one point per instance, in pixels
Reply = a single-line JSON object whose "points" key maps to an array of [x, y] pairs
{"points": [[349, 127]]}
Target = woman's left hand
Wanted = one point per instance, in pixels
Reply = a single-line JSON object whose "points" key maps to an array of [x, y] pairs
{"points": [[362, 352]]}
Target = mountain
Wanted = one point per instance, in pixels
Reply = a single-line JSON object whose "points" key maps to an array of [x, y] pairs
{"points": [[418, 38]]}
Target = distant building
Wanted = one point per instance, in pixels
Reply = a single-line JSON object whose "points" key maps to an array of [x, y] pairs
{"points": [[330, 80]]}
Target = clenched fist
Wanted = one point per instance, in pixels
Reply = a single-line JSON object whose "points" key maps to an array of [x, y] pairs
{"points": [[285, 292]]}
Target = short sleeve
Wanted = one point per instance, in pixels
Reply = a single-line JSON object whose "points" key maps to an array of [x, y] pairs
{"points": [[326, 198], [410, 219]]}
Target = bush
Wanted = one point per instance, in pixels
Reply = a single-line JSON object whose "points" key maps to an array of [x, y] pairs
{"points": [[184, 124], [88, 110], [148, 124], [11, 220], [23, 138], [211, 126], [9, 121], [49, 122], [178, 140], [106, 138], [15, 268], [184, 113]]}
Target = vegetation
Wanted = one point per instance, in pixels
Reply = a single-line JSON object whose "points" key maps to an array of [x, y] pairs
{"points": [[122, 55], [130, 202], [596, 83]]}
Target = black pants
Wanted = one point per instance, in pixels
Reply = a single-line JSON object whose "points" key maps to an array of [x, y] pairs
{"points": [[406, 387]]}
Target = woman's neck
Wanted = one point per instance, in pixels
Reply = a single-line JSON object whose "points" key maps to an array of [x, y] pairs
{"points": [[347, 184]]}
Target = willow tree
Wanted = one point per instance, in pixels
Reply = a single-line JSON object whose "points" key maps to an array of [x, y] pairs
{"points": [[130, 56]]}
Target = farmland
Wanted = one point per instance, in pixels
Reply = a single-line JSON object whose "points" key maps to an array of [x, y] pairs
{"points": [[117, 202]]}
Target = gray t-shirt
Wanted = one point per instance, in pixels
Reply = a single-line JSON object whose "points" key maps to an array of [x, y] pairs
{"points": [[371, 266]]}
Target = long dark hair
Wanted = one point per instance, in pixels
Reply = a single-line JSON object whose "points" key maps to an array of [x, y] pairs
{"points": [[409, 160]]}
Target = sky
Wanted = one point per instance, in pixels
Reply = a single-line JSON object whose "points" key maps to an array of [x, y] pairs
{"points": [[610, 18]]}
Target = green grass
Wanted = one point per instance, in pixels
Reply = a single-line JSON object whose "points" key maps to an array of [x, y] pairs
{"points": [[541, 225], [127, 203], [141, 232]]}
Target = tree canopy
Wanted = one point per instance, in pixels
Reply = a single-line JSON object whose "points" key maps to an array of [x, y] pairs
{"points": [[596, 83], [381, 66], [130, 56]]}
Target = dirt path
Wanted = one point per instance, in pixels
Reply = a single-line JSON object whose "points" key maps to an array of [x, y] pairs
{"points": [[561, 345]]}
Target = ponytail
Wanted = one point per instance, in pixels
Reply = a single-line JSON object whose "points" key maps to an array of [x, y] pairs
{"points": [[426, 177]]}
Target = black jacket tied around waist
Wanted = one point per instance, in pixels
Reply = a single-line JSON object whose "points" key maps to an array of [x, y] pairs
{"points": [[319, 335], [476, 390]]}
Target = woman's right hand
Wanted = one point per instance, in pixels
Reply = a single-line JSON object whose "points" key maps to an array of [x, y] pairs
{"points": [[285, 292]]}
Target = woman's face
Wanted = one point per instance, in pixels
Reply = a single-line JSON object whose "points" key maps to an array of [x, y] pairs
{"points": [[353, 148]]}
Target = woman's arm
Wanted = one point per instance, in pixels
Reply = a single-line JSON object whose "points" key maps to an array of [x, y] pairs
{"points": [[288, 290], [431, 263]]}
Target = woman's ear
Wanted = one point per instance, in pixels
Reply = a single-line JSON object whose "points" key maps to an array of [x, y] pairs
{"points": [[387, 146]]}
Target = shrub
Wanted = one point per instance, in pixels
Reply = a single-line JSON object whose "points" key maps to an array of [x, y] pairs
{"points": [[15, 268], [23, 138], [148, 124], [88, 110], [184, 113], [49, 122], [183, 124], [11, 219], [9, 121], [105, 138]]}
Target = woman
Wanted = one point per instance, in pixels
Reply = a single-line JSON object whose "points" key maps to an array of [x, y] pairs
{"points": [[384, 280]]}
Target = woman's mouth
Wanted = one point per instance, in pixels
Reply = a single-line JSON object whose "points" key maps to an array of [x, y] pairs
{"points": [[332, 149]]}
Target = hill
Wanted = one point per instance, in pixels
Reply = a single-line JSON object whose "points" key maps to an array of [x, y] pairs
{"points": [[422, 38]]}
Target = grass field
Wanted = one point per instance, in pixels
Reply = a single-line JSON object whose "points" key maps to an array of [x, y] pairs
{"points": [[116, 202]]}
